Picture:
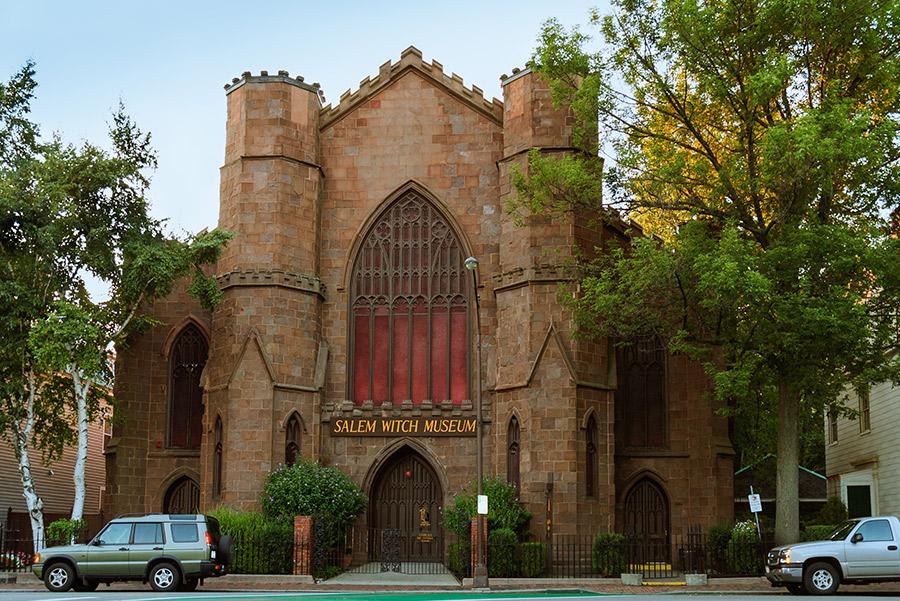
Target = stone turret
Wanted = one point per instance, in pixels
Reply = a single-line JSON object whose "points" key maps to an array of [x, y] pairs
{"points": [[267, 330]]}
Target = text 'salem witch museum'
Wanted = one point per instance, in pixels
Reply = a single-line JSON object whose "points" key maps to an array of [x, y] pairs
{"points": [[346, 333]]}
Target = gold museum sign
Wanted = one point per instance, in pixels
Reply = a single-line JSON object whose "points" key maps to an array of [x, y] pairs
{"points": [[403, 426]]}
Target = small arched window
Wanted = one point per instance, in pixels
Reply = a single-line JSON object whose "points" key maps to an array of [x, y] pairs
{"points": [[642, 392], [188, 358], [292, 440], [590, 456], [217, 461], [513, 453]]}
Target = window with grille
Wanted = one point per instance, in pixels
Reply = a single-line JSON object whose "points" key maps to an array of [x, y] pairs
{"points": [[292, 440], [641, 393], [187, 360], [590, 456], [513, 453], [217, 460], [409, 326]]}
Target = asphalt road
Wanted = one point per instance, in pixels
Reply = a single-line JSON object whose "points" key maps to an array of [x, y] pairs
{"points": [[113, 594]]}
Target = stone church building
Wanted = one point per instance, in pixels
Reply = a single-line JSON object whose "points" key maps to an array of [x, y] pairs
{"points": [[347, 330]]}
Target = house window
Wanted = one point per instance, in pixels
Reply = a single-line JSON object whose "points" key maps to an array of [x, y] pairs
{"points": [[217, 460], [641, 393], [865, 423], [292, 440], [409, 325], [590, 456], [187, 361], [832, 426], [513, 453]]}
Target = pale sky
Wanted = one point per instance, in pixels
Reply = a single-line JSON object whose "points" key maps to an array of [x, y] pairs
{"points": [[168, 61]]}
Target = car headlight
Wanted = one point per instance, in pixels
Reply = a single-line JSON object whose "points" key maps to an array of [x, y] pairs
{"points": [[784, 556]]}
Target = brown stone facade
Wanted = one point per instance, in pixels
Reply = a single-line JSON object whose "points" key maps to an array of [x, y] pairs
{"points": [[301, 187]]}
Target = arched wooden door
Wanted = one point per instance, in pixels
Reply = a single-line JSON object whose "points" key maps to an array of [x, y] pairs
{"points": [[182, 497], [647, 520], [407, 503]]}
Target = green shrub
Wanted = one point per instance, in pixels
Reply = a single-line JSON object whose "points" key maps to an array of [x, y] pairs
{"points": [[608, 554], [307, 488], [718, 540], [501, 553], [260, 544], [533, 559], [819, 532], [63, 531], [459, 558], [504, 509], [742, 555], [833, 512]]}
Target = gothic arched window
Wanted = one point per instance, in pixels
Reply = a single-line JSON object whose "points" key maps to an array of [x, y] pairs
{"points": [[409, 295], [513, 453], [590, 457], [217, 460], [186, 363], [642, 392], [292, 440]]}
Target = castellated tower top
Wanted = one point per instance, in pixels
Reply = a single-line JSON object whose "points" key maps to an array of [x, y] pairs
{"points": [[282, 77]]}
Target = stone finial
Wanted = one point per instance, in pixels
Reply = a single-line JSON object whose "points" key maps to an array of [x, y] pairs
{"points": [[246, 74], [411, 50], [299, 78], [516, 70], [283, 73], [263, 73]]}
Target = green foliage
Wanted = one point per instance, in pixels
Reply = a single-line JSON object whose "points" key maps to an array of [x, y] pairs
{"points": [[504, 509], [502, 553], [817, 532], [533, 559], [64, 531], [833, 512], [307, 488], [761, 137], [459, 558], [260, 544], [717, 540], [742, 551], [608, 554]]}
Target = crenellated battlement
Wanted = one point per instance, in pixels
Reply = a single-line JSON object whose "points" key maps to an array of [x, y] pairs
{"points": [[411, 59], [281, 77]]}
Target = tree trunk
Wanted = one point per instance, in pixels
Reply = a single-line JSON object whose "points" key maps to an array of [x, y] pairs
{"points": [[787, 498], [21, 439], [82, 386]]}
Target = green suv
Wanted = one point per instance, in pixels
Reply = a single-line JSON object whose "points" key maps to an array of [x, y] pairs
{"points": [[171, 552]]}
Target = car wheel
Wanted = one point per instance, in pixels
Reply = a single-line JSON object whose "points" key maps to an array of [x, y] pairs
{"points": [[59, 577], [189, 585], [86, 586], [821, 579], [796, 589], [164, 578]]}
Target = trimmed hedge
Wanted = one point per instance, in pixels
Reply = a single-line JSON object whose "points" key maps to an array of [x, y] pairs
{"points": [[608, 554], [502, 553], [260, 545], [816, 532], [533, 559], [458, 558], [742, 552], [504, 509]]}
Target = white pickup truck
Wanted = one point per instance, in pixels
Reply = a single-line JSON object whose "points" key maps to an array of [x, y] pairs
{"points": [[859, 551]]}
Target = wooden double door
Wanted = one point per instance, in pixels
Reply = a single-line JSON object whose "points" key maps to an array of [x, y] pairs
{"points": [[406, 510], [647, 521]]}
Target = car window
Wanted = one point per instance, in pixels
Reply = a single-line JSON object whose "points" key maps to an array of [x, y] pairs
{"points": [[842, 531], [184, 533], [148, 534], [876, 530], [115, 534]]}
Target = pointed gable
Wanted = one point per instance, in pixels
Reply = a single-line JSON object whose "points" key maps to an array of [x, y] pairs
{"points": [[433, 72]]}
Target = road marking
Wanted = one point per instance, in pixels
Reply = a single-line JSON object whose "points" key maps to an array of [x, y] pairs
{"points": [[66, 598]]}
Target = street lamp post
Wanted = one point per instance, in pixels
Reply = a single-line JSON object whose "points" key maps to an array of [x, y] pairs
{"points": [[480, 577]]}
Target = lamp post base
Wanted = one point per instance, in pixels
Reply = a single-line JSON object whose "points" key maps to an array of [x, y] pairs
{"points": [[480, 577]]}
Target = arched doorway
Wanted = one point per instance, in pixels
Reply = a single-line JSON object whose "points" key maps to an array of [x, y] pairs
{"points": [[183, 496], [405, 510], [647, 520]]}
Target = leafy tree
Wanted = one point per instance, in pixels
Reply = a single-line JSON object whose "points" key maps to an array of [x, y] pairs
{"points": [[504, 509], [68, 213], [761, 139]]}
